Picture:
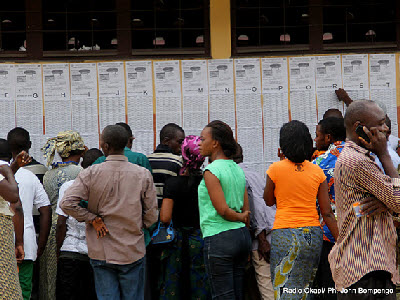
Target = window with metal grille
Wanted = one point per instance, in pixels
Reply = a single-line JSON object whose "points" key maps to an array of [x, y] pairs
{"points": [[12, 26], [170, 26]]}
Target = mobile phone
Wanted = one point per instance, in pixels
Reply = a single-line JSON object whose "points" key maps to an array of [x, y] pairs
{"points": [[360, 131]]}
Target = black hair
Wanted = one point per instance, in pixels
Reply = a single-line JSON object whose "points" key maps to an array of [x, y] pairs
{"points": [[5, 152], [19, 140], [169, 131], [222, 133], [127, 127], [238, 157], [115, 136], [295, 141], [334, 127], [75, 152], [90, 157], [332, 113]]}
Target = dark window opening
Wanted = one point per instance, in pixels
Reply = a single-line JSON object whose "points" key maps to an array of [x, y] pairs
{"points": [[170, 24], [313, 25], [76, 25], [277, 23], [12, 26], [359, 22]]}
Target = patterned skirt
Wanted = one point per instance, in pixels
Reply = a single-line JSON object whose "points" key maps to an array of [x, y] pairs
{"points": [[183, 274], [295, 256], [9, 282]]}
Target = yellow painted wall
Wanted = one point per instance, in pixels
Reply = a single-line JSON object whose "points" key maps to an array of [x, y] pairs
{"points": [[220, 28]]}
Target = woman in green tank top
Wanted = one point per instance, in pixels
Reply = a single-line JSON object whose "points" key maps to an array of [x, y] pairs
{"points": [[224, 211]]}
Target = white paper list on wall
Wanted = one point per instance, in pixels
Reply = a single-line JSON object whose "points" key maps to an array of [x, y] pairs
{"points": [[28, 94], [111, 96], [355, 75], [139, 86], [167, 79], [195, 95], [57, 99], [7, 98], [221, 92], [249, 111], [205, 92], [302, 91], [83, 78], [328, 79], [383, 84], [275, 86]]}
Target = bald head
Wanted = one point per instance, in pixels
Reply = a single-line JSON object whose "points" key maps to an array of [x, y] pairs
{"points": [[366, 113], [358, 111], [333, 113], [115, 136]]}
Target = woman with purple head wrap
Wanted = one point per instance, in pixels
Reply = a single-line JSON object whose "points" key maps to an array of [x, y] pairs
{"points": [[184, 275], [192, 159]]}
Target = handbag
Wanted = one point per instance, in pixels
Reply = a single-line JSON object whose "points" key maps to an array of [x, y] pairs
{"points": [[163, 235]]}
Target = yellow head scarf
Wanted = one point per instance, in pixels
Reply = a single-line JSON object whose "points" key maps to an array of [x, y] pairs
{"points": [[63, 143]]}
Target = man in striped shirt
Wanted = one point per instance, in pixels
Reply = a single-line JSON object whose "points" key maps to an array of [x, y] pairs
{"points": [[363, 260], [166, 160]]}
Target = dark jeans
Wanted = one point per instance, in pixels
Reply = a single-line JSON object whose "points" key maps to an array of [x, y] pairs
{"points": [[75, 279], [380, 281], [225, 258], [323, 278], [115, 282], [153, 271]]}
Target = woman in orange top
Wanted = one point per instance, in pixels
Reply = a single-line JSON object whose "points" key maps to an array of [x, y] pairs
{"points": [[293, 184]]}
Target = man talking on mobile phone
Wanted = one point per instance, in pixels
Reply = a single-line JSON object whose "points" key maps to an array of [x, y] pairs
{"points": [[363, 260]]}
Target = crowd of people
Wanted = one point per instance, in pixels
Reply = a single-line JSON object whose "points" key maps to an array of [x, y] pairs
{"points": [[192, 221]]}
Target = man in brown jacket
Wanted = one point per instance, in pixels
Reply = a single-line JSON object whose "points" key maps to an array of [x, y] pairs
{"points": [[121, 202]]}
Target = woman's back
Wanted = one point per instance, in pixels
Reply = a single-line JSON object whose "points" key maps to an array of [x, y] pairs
{"points": [[296, 189], [53, 179], [183, 190]]}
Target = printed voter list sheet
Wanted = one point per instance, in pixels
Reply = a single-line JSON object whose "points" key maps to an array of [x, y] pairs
{"points": [[84, 98], [57, 98], [139, 86], [29, 101], [302, 91], [38, 142], [195, 96], [221, 93], [355, 75], [275, 86], [328, 72], [7, 98], [168, 93], [249, 111], [382, 78], [111, 93]]}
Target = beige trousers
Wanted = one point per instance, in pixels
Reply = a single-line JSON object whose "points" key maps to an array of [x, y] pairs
{"points": [[263, 277]]}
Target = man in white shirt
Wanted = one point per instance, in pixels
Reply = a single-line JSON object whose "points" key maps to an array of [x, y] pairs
{"points": [[72, 251], [261, 222], [392, 152], [31, 193]]}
